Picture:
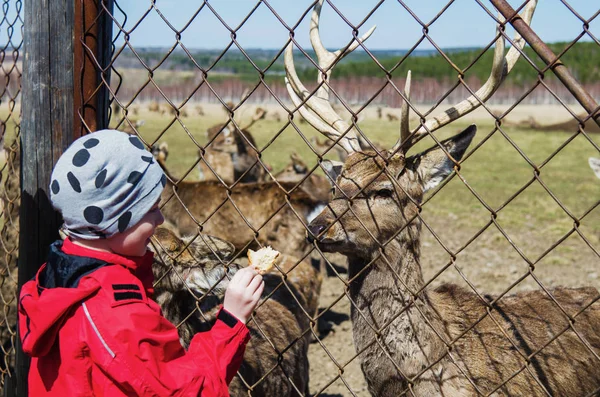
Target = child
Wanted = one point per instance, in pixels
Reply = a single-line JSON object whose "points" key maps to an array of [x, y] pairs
{"points": [[87, 320]]}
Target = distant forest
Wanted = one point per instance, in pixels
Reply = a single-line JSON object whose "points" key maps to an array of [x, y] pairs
{"points": [[360, 78], [583, 59]]}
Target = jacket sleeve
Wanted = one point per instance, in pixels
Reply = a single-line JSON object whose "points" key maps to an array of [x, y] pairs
{"points": [[140, 351]]}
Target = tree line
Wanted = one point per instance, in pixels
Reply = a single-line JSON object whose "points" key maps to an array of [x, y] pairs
{"points": [[582, 58]]}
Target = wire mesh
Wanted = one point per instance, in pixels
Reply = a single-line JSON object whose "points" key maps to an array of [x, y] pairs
{"points": [[11, 26], [454, 290]]}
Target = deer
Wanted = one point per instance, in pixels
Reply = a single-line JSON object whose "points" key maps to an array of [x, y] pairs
{"points": [[414, 339], [231, 153], [298, 172], [192, 275], [270, 213], [154, 107]]}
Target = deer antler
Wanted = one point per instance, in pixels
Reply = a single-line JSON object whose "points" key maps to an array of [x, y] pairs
{"points": [[501, 67], [316, 108]]}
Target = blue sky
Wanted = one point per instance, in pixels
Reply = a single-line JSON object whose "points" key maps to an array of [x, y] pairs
{"points": [[463, 24]]}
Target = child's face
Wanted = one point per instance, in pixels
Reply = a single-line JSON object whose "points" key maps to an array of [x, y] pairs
{"points": [[134, 241]]}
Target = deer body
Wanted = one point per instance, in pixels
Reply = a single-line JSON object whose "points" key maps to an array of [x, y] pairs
{"points": [[277, 216], [256, 201], [410, 353], [484, 355]]}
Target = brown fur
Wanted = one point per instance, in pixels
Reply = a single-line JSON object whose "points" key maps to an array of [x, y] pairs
{"points": [[154, 107], [444, 340], [280, 332], [231, 154], [297, 172], [263, 205]]}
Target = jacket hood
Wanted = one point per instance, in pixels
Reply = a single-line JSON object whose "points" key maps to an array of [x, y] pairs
{"points": [[59, 287], [45, 302]]}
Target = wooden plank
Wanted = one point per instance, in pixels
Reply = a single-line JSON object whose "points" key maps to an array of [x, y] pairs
{"points": [[46, 130]]}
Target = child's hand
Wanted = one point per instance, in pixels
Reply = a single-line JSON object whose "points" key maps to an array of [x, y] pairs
{"points": [[243, 293]]}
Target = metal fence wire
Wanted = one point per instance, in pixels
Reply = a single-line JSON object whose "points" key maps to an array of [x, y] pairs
{"points": [[11, 25], [472, 259]]}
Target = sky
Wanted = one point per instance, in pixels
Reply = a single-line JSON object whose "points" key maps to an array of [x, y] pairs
{"points": [[465, 23]]}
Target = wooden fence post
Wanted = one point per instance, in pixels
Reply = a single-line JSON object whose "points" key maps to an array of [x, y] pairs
{"points": [[46, 131], [60, 94]]}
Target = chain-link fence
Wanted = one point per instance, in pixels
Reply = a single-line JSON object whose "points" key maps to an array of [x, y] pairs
{"points": [[472, 266], [11, 26]]}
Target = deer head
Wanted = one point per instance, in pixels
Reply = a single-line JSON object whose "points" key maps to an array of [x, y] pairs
{"points": [[376, 196], [202, 263], [378, 193]]}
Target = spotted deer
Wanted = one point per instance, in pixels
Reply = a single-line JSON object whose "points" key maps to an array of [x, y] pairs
{"points": [[231, 153], [234, 214], [413, 339], [192, 275]]}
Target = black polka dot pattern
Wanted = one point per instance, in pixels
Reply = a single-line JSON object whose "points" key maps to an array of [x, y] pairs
{"points": [[81, 157], [99, 174], [124, 221], [134, 177], [93, 214], [100, 178], [74, 182], [90, 143], [136, 142], [55, 187]]}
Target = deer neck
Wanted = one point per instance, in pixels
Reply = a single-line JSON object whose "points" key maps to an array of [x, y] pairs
{"points": [[380, 294]]}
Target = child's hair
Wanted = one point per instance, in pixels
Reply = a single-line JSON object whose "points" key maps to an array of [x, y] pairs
{"points": [[104, 183]]}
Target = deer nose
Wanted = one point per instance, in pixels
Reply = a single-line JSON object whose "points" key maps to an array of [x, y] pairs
{"points": [[314, 231]]}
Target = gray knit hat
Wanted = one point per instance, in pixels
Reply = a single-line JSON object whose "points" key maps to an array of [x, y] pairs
{"points": [[104, 183]]}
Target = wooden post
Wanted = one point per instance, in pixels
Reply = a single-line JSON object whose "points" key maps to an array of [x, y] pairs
{"points": [[92, 47], [60, 98], [46, 131]]}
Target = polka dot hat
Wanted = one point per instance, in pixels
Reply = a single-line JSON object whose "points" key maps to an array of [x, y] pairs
{"points": [[104, 183]]}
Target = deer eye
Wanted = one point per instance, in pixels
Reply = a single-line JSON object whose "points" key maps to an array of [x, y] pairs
{"points": [[383, 193], [333, 191]]}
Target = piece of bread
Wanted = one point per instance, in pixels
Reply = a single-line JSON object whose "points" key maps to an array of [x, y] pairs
{"points": [[262, 260]]}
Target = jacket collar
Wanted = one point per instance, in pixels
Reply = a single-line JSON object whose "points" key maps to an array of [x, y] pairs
{"points": [[131, 262]]}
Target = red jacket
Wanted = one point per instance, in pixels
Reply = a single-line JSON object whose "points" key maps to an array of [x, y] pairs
{"points": [[92, 330]]}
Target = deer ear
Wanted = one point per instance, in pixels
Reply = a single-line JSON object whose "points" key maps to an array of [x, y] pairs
{"points": [[433, 165], [595, 164], [332, 168]]}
